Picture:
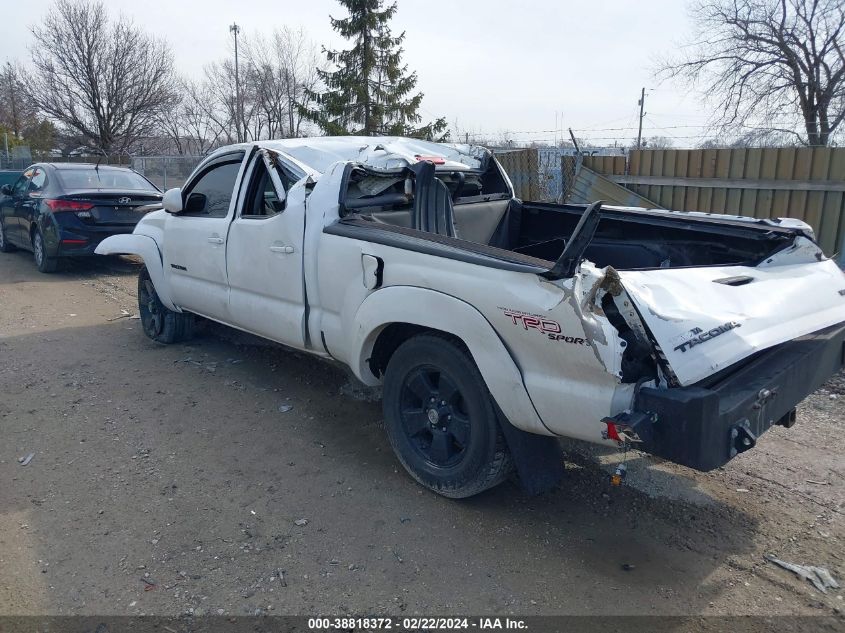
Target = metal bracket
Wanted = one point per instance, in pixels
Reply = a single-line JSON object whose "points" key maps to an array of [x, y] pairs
{"points": [[742, 439]]}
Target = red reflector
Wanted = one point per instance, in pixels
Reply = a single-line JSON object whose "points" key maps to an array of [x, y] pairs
{"points": [[612, 434], [74, 241], [437, 160], [67, 205]]}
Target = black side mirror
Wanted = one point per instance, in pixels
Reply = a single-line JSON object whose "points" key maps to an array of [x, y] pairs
{"points": [[196, 203], [6, 190]]}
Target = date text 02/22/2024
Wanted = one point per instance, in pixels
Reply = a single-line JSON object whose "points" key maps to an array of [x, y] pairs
{"points": [[415, 623]]}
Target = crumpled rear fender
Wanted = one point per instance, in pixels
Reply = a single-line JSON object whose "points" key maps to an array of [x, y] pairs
{"points": [[435, 310], [146, 248]]}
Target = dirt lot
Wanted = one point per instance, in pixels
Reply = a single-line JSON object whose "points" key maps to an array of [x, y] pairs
{"points": [[167, 479]]}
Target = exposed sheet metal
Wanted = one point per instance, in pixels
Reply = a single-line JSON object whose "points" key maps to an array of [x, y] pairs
{"points": [[782, 302], [588, 186]]}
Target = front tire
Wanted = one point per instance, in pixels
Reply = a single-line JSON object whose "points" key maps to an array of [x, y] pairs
{"points": [[39, 251], [440, 418], [5, 247], [160, 323]]}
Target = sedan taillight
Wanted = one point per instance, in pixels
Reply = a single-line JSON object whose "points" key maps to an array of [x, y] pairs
{"points": [[58, 206]]}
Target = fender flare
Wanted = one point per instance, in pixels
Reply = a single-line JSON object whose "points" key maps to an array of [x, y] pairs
{"points": [[404, 304], [146, 248]]}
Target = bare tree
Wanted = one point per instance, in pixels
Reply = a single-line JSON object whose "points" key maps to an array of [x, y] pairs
{"points": [[656, 142], [192, 127], [283, 72], [17, 110], [106, 82], [219, 87], [275, 73], [299, 63], [204, 117], [781, 62], [19, 117]]}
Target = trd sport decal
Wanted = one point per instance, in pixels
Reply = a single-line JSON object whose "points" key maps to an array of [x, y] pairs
{"points": [[702, 337], [543, 325]]}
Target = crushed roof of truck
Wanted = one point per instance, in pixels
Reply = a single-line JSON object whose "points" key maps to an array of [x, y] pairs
{"points": [[317, 154]]}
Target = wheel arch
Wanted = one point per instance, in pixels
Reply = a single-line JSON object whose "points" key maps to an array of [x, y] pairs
{"points": [[146, 248], [392, 315]]}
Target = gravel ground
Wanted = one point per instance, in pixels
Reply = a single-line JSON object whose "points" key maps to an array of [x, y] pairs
{"points": [[224, 476]]}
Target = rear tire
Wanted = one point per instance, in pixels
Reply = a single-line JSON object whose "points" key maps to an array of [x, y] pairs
{"points": [[160, 323], [5, 247], [39, 251], [441, 420]]}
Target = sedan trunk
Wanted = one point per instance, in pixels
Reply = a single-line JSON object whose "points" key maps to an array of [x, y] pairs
{"points": [[113, 207]]}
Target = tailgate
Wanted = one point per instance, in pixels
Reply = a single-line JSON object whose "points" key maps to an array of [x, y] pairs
{"points": [[707, 319]]}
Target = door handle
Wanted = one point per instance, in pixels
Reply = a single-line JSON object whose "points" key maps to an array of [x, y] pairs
{"points": [[282, 249], [216, 240]]}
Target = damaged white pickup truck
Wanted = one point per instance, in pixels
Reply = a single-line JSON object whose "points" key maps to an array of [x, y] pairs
{"points": [[496, 325]]}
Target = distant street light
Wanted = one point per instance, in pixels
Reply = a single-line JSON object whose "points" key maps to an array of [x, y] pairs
{"points": [[235, 29]]}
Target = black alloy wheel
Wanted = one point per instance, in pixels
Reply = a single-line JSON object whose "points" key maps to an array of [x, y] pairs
{"points": [[434, 416], [440, 418]]}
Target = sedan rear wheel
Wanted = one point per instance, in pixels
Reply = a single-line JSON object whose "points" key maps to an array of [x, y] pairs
{"points": [[5, 247], [45, 264]]}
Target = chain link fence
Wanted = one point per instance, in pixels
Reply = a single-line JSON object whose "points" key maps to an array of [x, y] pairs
{"points": [[166, 171], [163, 171], [544, 174]]}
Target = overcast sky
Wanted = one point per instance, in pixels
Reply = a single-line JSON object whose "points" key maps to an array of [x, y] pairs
{"points": [[524, 66]]}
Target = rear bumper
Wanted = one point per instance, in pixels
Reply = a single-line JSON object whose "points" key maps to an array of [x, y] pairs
{"points": [[81, 242], [704, 427]]}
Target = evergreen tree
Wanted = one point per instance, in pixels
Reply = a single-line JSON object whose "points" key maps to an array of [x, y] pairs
{"points": [[370, 92]]}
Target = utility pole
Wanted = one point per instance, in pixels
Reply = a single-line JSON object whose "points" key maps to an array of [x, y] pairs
{"points": [[13, 98], [642, 114], [235, 29]]}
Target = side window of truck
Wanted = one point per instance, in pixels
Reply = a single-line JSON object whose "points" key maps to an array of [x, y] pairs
{"points": [[39, 179], [22, 184], [262, 199], [210, 195]]}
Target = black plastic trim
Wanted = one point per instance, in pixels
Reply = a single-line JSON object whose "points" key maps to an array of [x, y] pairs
{"points": [[438, 245], [703, 427], [716, 222]]}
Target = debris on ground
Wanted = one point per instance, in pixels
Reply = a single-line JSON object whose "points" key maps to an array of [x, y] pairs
{"points": [[819, 576], [301, 522], [23, 461], [284, 408]]}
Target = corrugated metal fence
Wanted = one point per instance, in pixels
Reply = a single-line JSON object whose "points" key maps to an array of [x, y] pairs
{"points": [[804, 183]]}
